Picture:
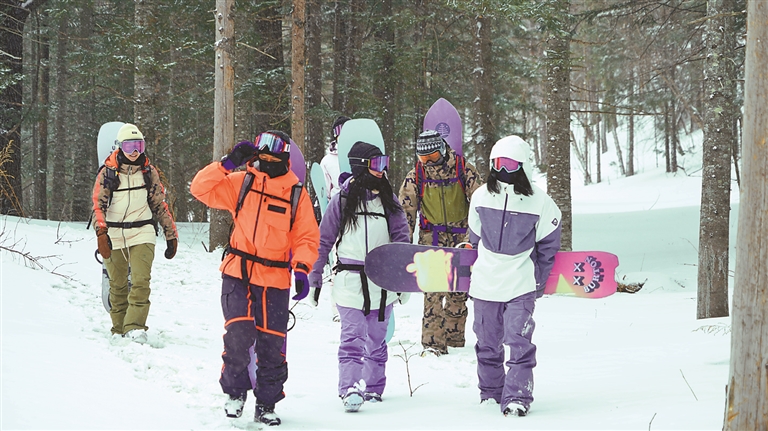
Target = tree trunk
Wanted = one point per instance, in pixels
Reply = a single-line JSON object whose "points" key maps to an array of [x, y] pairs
{"points": [[84, 150], [667, 143], [619, 156], [384, 86], [340, 54], [223, 116], [747, 401], [297, 73], [41, 163], [60, 153], [484, 132], [314, 145], [719, 79], [13, 15], [559, 122]]}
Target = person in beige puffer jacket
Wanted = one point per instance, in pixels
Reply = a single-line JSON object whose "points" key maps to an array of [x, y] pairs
{"points": [[128, 204]]}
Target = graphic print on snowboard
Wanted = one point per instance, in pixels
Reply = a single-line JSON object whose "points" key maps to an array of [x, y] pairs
{"points": [[400, 267]]}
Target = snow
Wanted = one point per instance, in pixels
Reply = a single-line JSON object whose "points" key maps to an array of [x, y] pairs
{"points": [[628, 361]]}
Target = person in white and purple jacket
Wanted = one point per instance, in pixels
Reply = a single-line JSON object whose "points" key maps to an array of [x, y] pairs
{"points": [[365, 214], [515, 227]]}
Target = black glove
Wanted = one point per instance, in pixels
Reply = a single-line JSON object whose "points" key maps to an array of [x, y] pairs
{"points": [[104, 243], [243, 153], [314, 296], [170, 249]]}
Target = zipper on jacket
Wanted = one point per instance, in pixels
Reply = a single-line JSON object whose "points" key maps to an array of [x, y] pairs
{"points": [[503, 217]]}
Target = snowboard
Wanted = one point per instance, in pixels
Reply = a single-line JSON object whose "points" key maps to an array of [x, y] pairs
{"points": [[318, 183], [106, 145], [298, 165], [401, 267], [359, 129], [445, 119]]}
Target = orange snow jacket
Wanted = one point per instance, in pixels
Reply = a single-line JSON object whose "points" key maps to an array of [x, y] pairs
{"points": [[262, 227]]}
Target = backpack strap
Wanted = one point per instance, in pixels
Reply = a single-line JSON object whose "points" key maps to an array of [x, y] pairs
{"points": [[295, 196], [247, 183], [460, 163]]}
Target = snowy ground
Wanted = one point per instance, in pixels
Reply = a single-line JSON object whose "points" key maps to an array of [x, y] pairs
{"points": [[629, 361]]}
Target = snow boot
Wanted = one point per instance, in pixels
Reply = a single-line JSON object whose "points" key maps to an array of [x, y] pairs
{"points": [[266, 415], [515, 409], [372, 397], [137, 336], [353, 400], [234, 406]]}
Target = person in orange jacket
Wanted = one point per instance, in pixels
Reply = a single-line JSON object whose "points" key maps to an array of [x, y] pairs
{"points": [[264, 246]]}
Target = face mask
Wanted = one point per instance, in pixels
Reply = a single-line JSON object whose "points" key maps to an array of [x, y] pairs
{"points": [[273, 169], [504, 176]]}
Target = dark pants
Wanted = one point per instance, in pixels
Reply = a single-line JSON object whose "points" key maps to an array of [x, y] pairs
{"points": [[255, 317]]}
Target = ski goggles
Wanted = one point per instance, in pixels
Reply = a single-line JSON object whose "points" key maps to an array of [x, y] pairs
{"points": [[506, 164], [430, 159], [376, 164], [272, 143], [130, 146]]}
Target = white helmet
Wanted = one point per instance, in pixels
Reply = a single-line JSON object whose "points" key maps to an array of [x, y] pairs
{"points": [[515, 148], [512, 147]]}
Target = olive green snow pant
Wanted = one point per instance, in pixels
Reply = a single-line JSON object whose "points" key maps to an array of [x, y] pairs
{"points": [[130, 307]]}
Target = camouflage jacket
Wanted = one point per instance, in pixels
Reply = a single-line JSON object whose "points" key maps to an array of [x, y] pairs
{"points": [[409, 197]]}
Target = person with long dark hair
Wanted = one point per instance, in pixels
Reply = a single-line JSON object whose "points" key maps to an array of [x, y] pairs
{"points": [[515, 227], [364, 215]]}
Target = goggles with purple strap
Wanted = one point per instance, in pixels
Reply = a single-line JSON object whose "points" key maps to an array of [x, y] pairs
{"points": [[132, 145], [506, 164], [271, 143]]}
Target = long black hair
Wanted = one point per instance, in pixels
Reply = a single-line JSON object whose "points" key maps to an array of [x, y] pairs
{"points": [[357, 194], [518, 179]]}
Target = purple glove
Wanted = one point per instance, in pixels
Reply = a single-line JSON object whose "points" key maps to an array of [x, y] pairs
{"points": [[243, 153], [302, 285]]}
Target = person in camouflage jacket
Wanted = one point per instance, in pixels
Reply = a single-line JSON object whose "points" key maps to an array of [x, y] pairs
{"points": [[436, 194]]}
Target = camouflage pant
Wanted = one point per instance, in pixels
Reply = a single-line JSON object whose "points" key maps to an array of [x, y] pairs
{"points": [[445, 315]]}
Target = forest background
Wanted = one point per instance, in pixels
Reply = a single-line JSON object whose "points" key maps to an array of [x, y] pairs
{"points": [[566, 76]]}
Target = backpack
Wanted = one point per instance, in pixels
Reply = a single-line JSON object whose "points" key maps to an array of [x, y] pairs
{"points": [[244, 190], [421, 179], [246, 187], [361, 268], [111, 176]]}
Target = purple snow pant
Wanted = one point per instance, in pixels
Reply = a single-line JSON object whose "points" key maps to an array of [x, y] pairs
{"points": [[363, 352], [254, 315], [505, 323]]}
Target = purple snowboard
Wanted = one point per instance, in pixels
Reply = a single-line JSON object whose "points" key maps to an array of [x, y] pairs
{"points": [[445, 119], [400, 267], [298, 166]]}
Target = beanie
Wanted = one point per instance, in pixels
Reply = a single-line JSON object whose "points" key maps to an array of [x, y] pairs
{"points": [[428, 142], [336, 131], [129, 132], [359, 154]]}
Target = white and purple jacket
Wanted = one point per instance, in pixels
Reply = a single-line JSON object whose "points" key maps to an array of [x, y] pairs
{"points": [[516, 237], [371, 231]]}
